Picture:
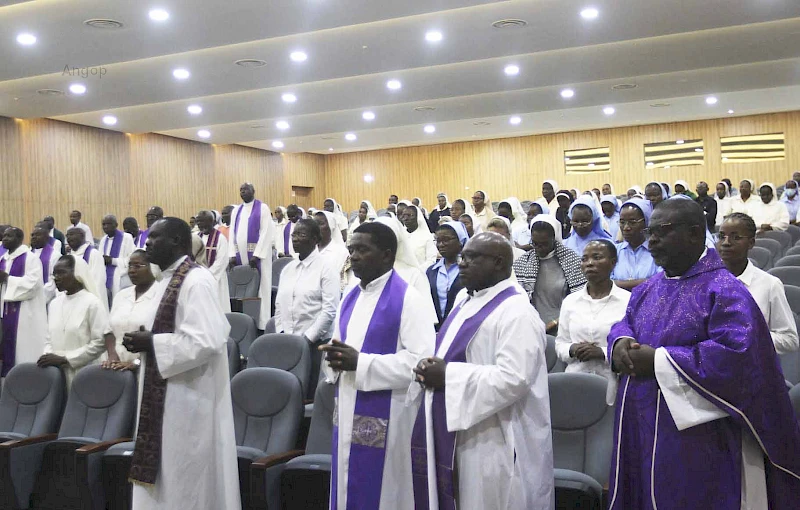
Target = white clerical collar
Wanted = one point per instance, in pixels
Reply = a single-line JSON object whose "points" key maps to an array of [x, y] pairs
{"points": [[82, 249], [378, 283], [16, 253]]}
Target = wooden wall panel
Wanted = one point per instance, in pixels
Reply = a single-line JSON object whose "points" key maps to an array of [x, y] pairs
{"points": [[307, 170], [517, 166]]}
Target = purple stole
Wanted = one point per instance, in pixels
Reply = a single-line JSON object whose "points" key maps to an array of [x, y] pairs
{"points": [[253, 228], [211, 247], [287, 233], [87, 253], [116, 244], [3, 250], [11, 316], [141, 239], [44, 256], [371, 417], [444, 441]]}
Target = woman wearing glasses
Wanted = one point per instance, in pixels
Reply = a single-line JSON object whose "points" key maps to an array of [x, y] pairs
{"points": [[587, 226], [634, 262]]}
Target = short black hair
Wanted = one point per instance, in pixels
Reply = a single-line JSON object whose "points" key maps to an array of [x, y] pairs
{"points": [[311, 225], [748, 222], [393, 196], [687, 211], [68, 259], [130, 219], [609, 246], [543, 226], [459, 201], [176, 227], [17, 231], [292, 207], [382, 235]]}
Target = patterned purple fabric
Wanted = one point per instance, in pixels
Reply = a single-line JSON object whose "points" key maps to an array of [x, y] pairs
{"points": [[11, 317], [720, 344]]}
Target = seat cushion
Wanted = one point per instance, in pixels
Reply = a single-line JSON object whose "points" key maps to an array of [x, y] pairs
{"points": [[575, 481], [245, 452], [319, 461]]}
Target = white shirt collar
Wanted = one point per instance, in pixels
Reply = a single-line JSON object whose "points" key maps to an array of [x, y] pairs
{"points": [[747, 275], [378, 283], [310, 259], [494, 289]]}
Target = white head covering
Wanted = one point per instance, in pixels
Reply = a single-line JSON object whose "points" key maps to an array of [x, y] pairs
{"points": [[302, 212], [405, 258], [682, 183], [520, 216], [311, 212], [577, 192], [771, 186], [337, 209], [753, 190], [486, 202], [727, 191], [447, 204], [550, 220], [371, 212], [422, 209], [421, 223], [335, 239], [554, 184], [405, 202], [83, 275]]}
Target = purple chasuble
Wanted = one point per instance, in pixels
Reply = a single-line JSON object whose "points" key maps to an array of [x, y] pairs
{"points": [[116, 244], [211, 247], [44, 256], [445, 441], [253, 229], [141, 239], [11, 316], [721, 346], [287, 231], [371, 415]]}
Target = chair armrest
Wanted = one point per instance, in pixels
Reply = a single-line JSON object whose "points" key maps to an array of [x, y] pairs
{"points": [[273, 460], [27, 441], [243, 299], [101, 447], [263, 475]]}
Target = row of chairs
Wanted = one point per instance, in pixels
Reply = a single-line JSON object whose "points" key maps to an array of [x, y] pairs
{"points": [[244, 283]]}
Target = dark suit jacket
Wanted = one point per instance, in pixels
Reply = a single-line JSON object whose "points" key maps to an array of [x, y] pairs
{"points": [[451, 295], [57, 234]]}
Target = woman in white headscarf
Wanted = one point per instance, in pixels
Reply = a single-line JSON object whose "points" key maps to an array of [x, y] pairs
{"points": [[769, 213], [365, 213], [77, 319], [420, 239], [332, 206], [280, 217], [518, 221], [684, 189], [331, 246], [418, 202], [552, 203]]}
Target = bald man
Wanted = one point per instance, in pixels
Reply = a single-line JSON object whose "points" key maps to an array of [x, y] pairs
{"points": [[115, 246], [216, 255], [490, 388]]}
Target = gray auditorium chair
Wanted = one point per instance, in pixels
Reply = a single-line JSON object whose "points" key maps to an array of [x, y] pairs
{"points": [[243, 330], [234, 358], [582, 425], [553, 363], [794, 395], [306, 478], [266, 424], [116, 466], [785, 238], [774, 247], [99, 413], [243, 284], [794, 250], [790, 362], [789, 260], [794, 231], [788, 275], [284, 352], [761, 257], [269, 327], [31, 404]]}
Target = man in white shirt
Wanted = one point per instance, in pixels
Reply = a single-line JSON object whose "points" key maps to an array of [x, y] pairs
{"points": [[215, 259], [483, 210], [736, 236], [378, 339], [770, 213], [283, 237], [42, 246], [116, 246], [78, 246], [746, 202], [251, 244], [486, 437], [75, 219]]}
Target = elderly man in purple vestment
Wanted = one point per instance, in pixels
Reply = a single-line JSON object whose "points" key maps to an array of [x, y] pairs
{"points": [[22, 302], [486, 402], [44, 247], [378, 338], [253, 232], [116, 246], [703, 416]]}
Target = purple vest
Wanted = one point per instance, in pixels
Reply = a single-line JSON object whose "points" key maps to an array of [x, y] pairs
{"points": [[116, 244], [11, 316], [253, 229], [371, 416]]}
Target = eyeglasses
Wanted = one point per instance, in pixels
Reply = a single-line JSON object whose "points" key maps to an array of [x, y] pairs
{"points": [[476, 197], [630, 223], [662, 230], [138, 266], [734, 238], [580, 223]]}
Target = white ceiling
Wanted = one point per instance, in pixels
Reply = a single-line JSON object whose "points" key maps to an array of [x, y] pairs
{"points": [[744, 52]]}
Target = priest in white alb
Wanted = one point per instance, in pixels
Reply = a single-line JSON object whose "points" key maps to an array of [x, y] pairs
{"points": [[76, 241], [216, 260], [45, 247], [252, 239], [22, 303], [377, 340], [116, 247], [483, 437], [185, 454]]}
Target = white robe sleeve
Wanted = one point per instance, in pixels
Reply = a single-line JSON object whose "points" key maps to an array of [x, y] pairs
{"points": [[430, 251], [330, 302], [781, 223], [23, 288], [475, 392], [416, 340], [233, 247], [782, 326], [563, 340], [266, 235], [97, 318], [200, 330], [220, 264], [331, 375], [125, 251]]}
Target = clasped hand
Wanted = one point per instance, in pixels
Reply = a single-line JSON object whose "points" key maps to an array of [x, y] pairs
{"points": [[340, 356], [430, 373], [632, 358], [138, 341]]}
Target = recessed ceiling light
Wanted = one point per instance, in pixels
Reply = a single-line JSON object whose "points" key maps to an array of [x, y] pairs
{"points": [[26, 39], [109, 120], [103, 23], [511, 70], [433, 36], [181, 74], [350, 137], [250, 62], [298, 56], [50, 92], [77, 88], [194, 109], [679, 142], [289, 98], [724, 159], [368, 178], [330, 148], [394, 85], [590, 13], [567, 93], [667, 166], [624, 86], [515, 120], [510, 23], [368, 116], [282, 125], [430, 128], [711, 100], [277, 144], [609, 110], [204, 133], [566, 159], [730, 112], [481, 123], [159, 15]]}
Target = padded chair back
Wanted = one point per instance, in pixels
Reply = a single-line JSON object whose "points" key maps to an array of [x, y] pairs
{"points": [[785, 238], [243, 331], [788, 275], [277, 267], [234, 360], [101, 405], [772, 245], [266, 420], [761, 257], [582, 424], [793, 297], [794, 231], [550, 352], [789, 260], [269, 327], [284, 352], [32, 401], [794, 250], [794, 395], [321, 431], [243, 282]]}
